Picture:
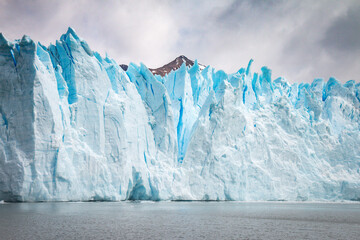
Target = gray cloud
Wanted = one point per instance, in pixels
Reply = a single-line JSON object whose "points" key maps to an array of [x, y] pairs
{"points": [[344, 33], [299, 40]]}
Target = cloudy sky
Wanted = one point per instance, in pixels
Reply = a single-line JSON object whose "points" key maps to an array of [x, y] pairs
{"points": [[299, 40]]}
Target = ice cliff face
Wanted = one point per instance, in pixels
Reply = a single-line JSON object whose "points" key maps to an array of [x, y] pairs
{"points": [[75, 126]]}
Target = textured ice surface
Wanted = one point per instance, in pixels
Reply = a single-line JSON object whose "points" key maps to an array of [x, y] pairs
{"points": [[75, 126]]}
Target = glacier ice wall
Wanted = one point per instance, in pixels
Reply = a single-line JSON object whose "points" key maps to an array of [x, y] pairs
{"points": [[75, 126]]}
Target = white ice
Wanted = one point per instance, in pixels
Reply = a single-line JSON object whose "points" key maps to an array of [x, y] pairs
{"points": [[75, 126]]}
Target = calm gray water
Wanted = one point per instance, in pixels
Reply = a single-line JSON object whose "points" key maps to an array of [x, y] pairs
{"points": [[180, 220]]}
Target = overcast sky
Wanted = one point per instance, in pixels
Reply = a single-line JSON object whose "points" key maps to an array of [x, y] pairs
{"points": [[299, 40]]}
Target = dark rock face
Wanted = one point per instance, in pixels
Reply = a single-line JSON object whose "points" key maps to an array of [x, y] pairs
{"points": [[171, 66], [124, 66], [175, 64]]}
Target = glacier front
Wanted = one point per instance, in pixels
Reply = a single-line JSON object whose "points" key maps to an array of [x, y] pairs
{"points": [[75, 126]]}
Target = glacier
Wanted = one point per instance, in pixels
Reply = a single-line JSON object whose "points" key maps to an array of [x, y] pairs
{"points": [[75, 126]]}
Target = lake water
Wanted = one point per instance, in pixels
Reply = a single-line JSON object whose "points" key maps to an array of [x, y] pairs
{"points": [[180, 220]]}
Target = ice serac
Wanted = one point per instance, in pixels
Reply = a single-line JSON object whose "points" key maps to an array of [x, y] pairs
{"points": [[75, 126], [17, 140], [158, 104]]}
